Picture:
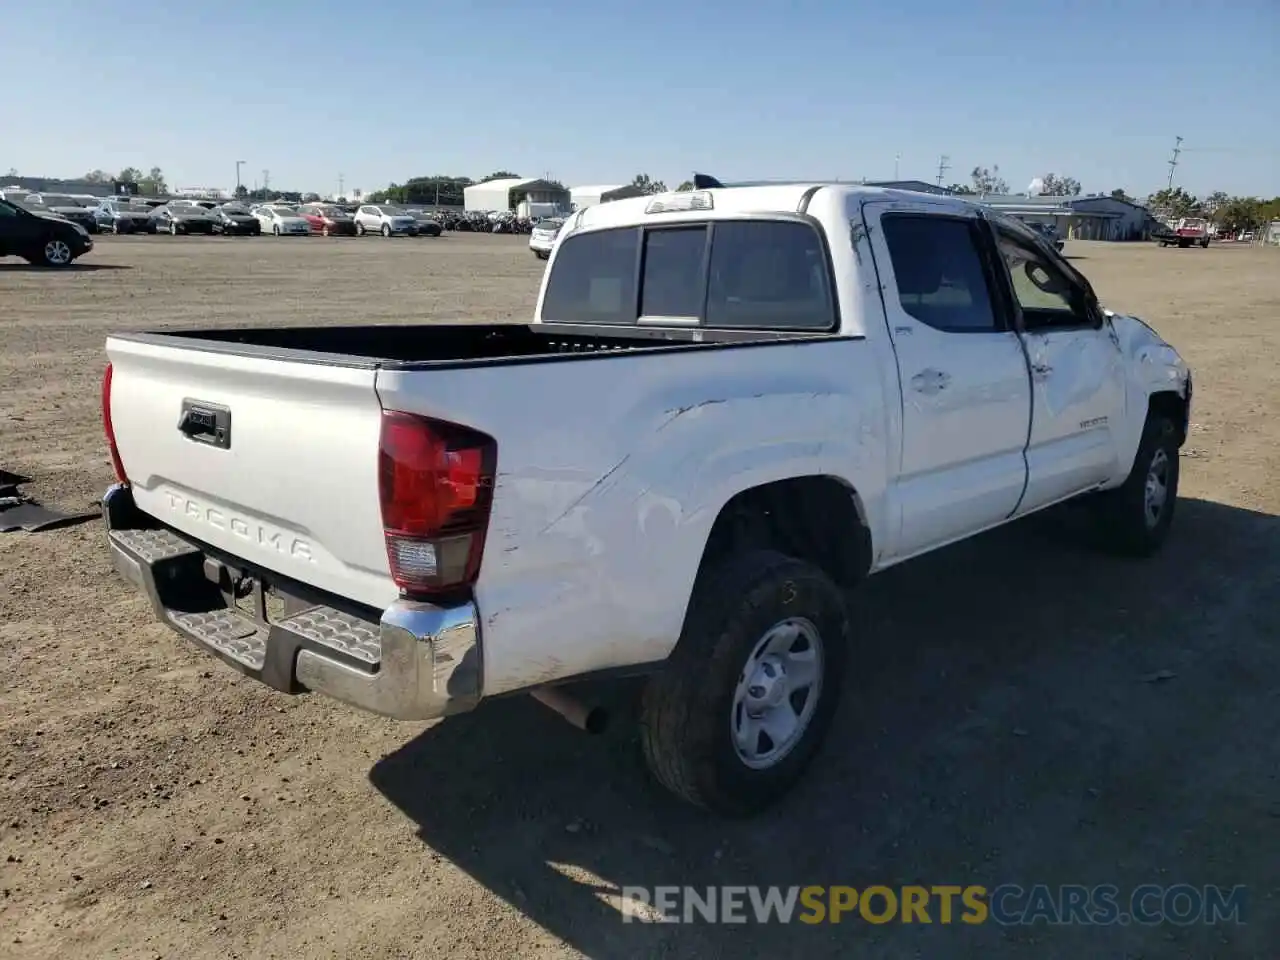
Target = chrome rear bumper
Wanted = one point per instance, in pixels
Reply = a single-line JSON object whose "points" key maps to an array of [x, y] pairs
{"points": [[416, 661]]}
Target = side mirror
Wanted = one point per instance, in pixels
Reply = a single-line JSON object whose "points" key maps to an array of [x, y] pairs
{"points": [[1043, 280]]}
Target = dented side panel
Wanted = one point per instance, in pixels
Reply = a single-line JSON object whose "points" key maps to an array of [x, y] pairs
{"points": [[611, 472]]}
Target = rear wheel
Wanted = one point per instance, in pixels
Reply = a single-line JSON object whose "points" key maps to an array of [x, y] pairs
{"points": [[359, 229], [1134, 519], [743, 704]]}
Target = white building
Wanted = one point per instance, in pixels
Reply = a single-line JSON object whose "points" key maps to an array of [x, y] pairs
{"points": [[582, 197], [508, 194]]}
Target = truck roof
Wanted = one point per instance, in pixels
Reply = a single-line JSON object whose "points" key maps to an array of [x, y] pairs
{"points": [[737, 200]]}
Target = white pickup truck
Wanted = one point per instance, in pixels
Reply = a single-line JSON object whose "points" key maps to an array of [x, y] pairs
{"points": [[732, 405]]}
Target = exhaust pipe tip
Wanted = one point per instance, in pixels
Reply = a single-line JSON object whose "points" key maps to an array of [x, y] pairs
{"points": [[589, 718]]}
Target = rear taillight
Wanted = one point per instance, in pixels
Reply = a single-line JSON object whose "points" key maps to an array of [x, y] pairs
{"points": [[107, 428], [435, 486]]}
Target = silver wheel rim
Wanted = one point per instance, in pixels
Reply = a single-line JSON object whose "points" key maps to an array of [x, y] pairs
{"points": [[777, 693], [1156, 494], [57, 252]]}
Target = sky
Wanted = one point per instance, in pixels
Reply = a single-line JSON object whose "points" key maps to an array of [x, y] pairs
{"points": [[596, 92]]}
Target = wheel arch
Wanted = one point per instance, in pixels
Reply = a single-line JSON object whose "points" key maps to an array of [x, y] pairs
{"points": [[819, 518]]}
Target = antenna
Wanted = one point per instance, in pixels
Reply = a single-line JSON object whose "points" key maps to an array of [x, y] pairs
{"points": [[944, 164], [1173, 161]]}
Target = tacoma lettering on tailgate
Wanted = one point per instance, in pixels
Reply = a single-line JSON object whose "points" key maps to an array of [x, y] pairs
{"points": [[250, 530]]}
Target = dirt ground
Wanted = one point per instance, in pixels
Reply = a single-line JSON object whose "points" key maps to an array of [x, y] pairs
{"points": [[1000, 725]]}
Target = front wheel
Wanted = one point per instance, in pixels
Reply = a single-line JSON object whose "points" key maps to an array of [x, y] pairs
{"points": [[386, 230], [276, 230], [1133, 519], [743, 704], [173, 229], [56, 253]]}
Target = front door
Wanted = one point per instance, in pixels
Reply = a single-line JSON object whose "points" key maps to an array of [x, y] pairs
{"points": [[1077, 375], [966, 399]]}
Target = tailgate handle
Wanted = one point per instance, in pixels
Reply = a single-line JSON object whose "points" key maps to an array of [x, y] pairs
{"points": [[206, 423]]}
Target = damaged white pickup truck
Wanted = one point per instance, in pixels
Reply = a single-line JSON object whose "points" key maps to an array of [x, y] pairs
{"points": [[732, 405]]}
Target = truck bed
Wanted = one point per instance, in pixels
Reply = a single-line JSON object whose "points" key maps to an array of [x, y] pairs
{"points": [[445, 345]]}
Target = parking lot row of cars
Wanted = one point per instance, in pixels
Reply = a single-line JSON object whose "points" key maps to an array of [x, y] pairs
{"points": [[233, 218]]}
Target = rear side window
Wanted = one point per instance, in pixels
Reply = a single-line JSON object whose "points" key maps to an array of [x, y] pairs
{"points": [[758, 274], [939, 273]]}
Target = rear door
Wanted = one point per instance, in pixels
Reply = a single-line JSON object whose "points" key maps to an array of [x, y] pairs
{"points": [[966, 399], [1077, 375], [273, 461]]}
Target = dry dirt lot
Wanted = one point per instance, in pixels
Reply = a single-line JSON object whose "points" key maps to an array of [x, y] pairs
{"points": [[997, 727]]}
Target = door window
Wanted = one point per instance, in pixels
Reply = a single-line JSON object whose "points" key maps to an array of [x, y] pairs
{"points": [[939, 271], [1048, 299]]}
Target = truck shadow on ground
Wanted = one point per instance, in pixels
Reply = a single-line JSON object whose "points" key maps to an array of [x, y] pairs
{"points": [[1020, 710]]}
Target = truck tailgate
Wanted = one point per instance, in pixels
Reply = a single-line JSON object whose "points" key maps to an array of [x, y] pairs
{"points": [[291, 486]]}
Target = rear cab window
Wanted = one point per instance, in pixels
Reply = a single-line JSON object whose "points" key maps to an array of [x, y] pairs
{"points": [[729, 274]]}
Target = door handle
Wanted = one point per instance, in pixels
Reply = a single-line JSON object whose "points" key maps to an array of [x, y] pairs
{"points": [[930, 381]]}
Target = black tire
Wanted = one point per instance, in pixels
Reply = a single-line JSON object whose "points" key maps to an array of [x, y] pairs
{"points": [[359, 229], [541, 254], [1124, 524], [687, 710], [386, 230], [173, 228], [275, 230]]}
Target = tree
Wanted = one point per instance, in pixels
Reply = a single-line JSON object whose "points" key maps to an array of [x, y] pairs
{"points": [[501, 175], [1237, 214], [685, 185], [13, 172], [988, 181], [1053, 185], [95, 176], [960, 190], [1173, 204], [1215, 200], [1119, 194], [130, 175], [647, 185], [241, 191], [153, 183]]}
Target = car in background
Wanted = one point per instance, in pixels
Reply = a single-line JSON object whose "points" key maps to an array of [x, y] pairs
{"points": [[328, 220], [235, 220], [40, 238], [543, 236], [67, 206], [281, 220], [123, 216], [177, 219], [428, 226], [386, 219]]}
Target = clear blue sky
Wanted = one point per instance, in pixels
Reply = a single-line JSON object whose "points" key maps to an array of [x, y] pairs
{"points": [[592, 92]]}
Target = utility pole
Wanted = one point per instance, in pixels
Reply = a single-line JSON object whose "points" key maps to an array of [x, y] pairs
{"points": [[944, 165], [896, 158], [239, 164], [266, 184], [341, 181], [1173, 161]]}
